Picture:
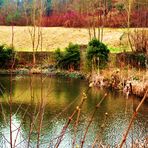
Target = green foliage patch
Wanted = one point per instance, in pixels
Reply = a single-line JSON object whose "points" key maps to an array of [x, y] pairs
{"points": [[7, 56], [69, 58], [97, 54]]}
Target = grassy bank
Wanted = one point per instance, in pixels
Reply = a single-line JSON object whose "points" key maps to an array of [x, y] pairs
{"points": [[54, 37]]}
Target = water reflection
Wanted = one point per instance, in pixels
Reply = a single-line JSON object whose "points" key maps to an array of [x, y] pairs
{"points": [[5, 86], [17, 134], [109, 124]]}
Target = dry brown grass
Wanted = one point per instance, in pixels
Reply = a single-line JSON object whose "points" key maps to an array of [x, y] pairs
{"points": [[54, 37]]}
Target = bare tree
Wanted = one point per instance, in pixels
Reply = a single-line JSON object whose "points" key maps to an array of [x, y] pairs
{"points": [[11, 17], [128, 8], [35, 31]]}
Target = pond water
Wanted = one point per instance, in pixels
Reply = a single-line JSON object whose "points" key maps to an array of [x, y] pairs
{"points": [[56, 99]]}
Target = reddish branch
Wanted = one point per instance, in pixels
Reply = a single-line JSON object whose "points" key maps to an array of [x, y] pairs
{"points": [[69, 121], [75, 126], [91, 119], [102, 128], [10, 101], [132, 120]]}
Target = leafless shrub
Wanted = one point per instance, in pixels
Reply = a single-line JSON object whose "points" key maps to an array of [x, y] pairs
{"points": [[139, 40]]}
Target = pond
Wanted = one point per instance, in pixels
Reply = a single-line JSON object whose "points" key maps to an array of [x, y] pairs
{"points": [[38, 112]]}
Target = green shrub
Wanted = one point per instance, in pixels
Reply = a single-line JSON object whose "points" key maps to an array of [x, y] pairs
{"points": [[69, 59], [6, 56], [120, 7], [13, 17], [137, 59], [134, 59], [97, 54]]}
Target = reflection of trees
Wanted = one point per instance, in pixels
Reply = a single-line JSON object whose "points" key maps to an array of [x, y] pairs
{"points": [[5, 86], [67, 90], [25, 127], [57, 90]]}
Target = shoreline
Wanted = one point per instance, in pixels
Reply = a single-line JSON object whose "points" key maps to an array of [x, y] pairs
{"points": [[114, 80], [46, 71]]}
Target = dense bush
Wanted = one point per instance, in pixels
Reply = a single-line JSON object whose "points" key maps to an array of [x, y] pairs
{"points": [[97, 54], [6, 56], [137, 60], [67, 19], [12, 18], [69, 59], [120, 7], [134, 59]]}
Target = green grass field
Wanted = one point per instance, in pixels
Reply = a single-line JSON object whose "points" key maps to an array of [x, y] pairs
{"points": [[58, 37]]}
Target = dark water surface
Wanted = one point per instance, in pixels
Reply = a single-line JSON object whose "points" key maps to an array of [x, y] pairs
{"points": [[59, 99]]}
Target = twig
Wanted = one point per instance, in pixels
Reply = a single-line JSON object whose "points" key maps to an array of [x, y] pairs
{"points": [[69, 121], [98, 136], [97, 106], [75, 127], [132, 120]]}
